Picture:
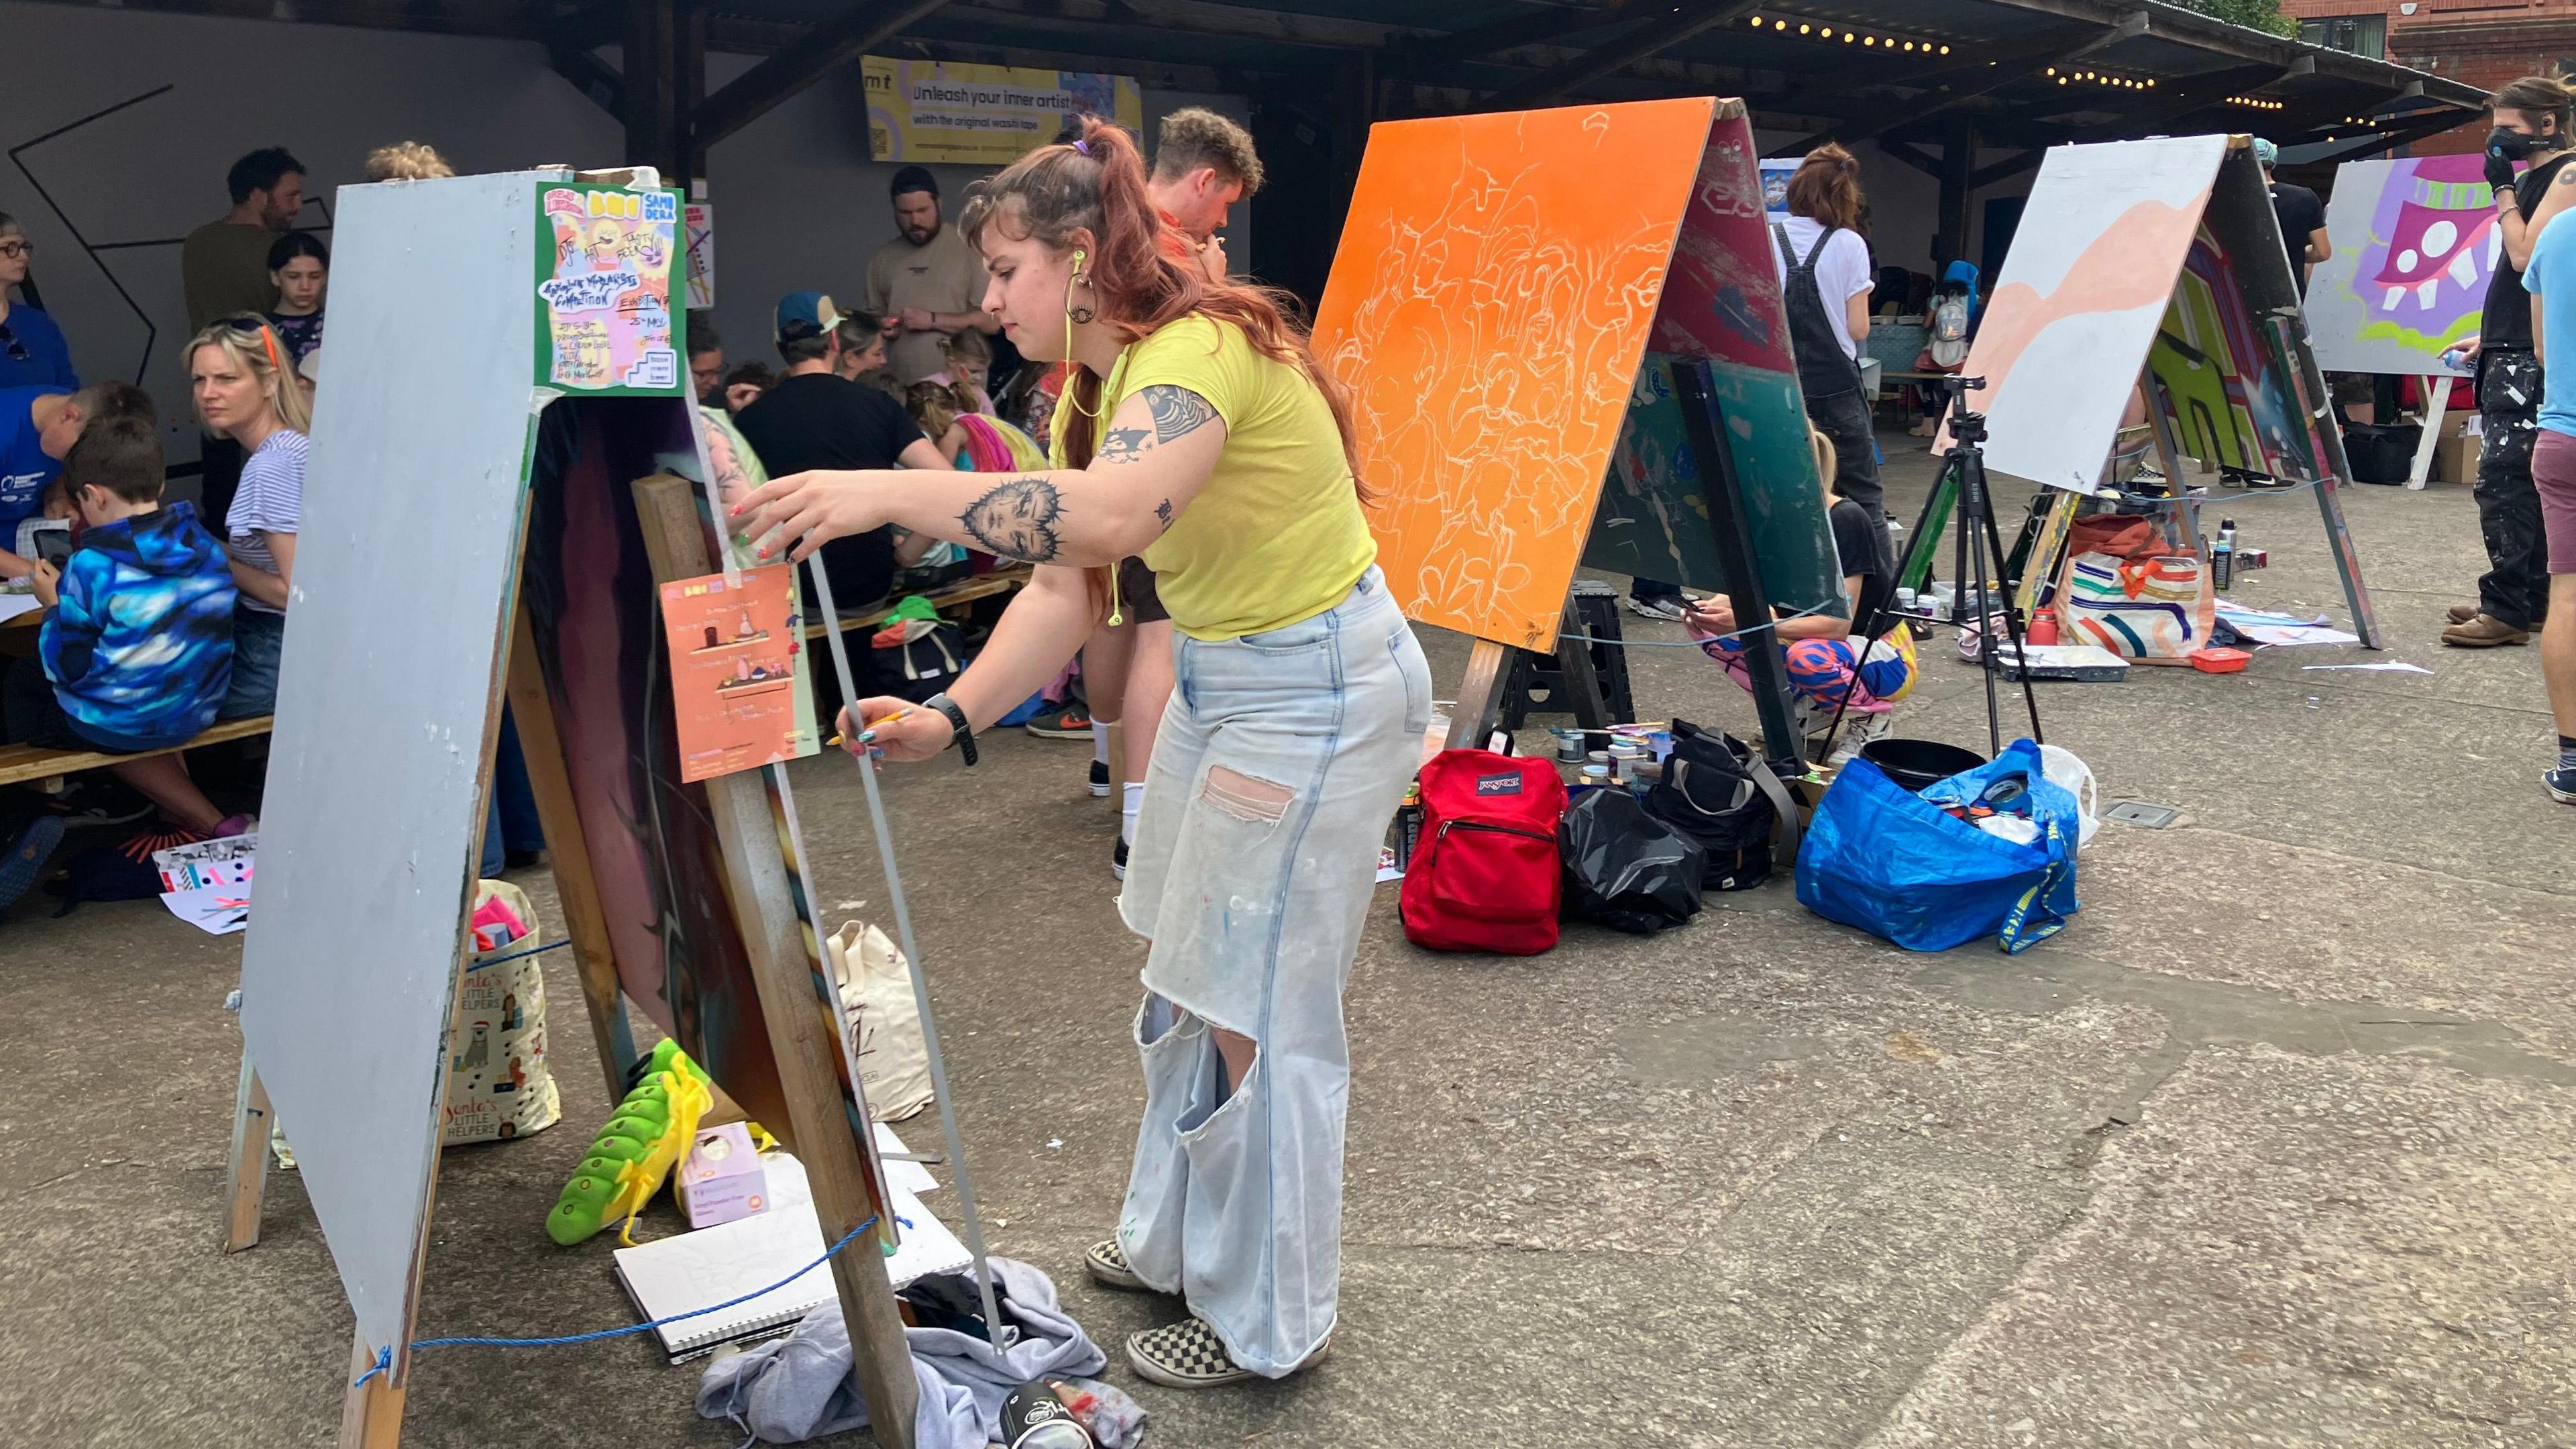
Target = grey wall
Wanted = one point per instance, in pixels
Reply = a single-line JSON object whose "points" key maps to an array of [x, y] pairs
{"points": [[798, 204]]}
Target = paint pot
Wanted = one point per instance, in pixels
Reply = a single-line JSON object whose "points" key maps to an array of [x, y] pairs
{"points": [[1905, 601], [1919, 764], [1569, 746]]}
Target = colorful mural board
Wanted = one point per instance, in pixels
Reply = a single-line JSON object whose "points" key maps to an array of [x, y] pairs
{"points": [[2080, 298], [1498, 284], [605, 324], [2416, 242], [2223, 379]]}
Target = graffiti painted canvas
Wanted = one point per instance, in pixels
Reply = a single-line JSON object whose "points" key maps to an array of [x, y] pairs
{"points": [[1488, 306], [1499, 282], [2080, 298], [2415, 245], [1722, 303]]}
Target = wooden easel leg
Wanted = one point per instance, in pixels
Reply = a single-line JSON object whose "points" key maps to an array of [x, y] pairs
{"points": [[371, 1414], [248, 1187], [567, 854], [1574, 657], [801, 1036], [1480, 695], [2365, 619], [2437, 406]]}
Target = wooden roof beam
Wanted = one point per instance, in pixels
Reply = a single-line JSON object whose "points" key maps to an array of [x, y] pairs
{"points": [[1680, 20], [828, 46]]}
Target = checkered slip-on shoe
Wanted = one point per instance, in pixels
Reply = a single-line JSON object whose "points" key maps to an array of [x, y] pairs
{"points": [[1189, 1355], [1108, 1265], [1185, 1355]]}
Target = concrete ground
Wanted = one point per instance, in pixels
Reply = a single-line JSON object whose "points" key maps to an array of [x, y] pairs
{"points": [[2272, 1146]]}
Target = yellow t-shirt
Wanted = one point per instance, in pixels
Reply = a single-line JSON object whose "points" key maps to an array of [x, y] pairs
{"points": [[1276, 536]]}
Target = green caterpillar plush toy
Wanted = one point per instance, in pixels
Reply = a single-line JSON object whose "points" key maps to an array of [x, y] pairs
{"points": [[644, 1139]]}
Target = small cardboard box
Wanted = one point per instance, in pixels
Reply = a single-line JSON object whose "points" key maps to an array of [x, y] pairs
{"points": [[722, 1179], [2455, 456]]}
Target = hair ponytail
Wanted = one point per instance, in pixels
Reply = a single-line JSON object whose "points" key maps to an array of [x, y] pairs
{"points": [[1826, 187], [1096, 183]]}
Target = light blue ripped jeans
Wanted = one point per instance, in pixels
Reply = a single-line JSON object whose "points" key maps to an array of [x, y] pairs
{"points": [[1280, 760]]}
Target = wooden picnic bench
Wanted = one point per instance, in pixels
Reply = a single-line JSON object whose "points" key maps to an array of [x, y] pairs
{"points": [[945, 597], [24, 764]]}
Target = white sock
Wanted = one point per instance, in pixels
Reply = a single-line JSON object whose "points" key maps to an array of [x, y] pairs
{"points": [[1100, 739], [1132, 800]]}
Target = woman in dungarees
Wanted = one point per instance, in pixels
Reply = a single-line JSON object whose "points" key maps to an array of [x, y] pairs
{"points": [[1825, 280]]}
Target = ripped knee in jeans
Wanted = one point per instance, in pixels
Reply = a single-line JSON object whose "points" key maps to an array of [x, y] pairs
{"points": [[1245, 797]]}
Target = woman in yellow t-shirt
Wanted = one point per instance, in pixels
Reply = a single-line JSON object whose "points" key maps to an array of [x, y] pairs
{"points": [[1198, 431]]}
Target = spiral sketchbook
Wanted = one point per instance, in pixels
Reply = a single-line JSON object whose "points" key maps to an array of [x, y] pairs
{"points": [[695, 1270]]}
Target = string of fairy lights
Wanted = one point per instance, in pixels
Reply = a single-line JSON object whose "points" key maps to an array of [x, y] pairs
{"points": [[2111, 78], [1846, 35], [1822, 33]]}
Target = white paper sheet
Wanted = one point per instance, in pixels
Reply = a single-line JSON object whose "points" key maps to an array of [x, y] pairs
{"points": [[215, 910]]}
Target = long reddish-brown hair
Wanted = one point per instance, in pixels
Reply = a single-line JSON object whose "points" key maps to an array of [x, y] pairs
{"points": [[1097, 184]]}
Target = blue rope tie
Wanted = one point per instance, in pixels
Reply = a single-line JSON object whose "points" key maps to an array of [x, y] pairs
{"points": [[515, 955], [385, 1356]]}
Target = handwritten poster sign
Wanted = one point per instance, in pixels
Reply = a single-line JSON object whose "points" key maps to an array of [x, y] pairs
{"points": [[735, 689], [983, 115], [605, 323]]}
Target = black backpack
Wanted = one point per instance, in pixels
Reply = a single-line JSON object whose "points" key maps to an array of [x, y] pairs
{"points": [[1716, 790]]}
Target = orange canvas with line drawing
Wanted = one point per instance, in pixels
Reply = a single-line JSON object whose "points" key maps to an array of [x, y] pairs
{"points": [[734, 683], [1488, 308]]}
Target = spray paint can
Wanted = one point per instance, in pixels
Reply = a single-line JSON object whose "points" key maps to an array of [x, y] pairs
{"points": [[2222, 556]]}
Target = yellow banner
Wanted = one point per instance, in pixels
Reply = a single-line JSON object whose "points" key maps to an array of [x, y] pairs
{"points": [[983, 115]]}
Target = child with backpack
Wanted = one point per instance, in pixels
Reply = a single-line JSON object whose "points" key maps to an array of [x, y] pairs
{"points": [[1824, 661], [1947, 332], [139, 649]]}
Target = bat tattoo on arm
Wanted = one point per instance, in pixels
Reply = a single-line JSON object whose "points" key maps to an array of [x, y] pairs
{"points": [[1016, 520]]}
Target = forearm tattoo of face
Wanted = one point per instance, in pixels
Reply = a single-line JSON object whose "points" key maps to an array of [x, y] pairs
{"points": [[1016, 520]]}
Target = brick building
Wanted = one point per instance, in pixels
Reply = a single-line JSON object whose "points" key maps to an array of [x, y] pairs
{"points": [[2482, 43]]}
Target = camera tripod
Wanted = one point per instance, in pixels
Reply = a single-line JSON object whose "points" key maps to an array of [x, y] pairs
{"points": [[1976, 545]]}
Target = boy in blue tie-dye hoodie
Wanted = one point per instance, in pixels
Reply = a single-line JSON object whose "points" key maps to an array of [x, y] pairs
{"points": [[139, 649]]}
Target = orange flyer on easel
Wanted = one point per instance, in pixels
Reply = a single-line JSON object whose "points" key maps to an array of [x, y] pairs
{"points": [[737, 685]]}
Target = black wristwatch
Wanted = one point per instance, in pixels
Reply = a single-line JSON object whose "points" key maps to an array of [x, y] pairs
{"points": [[961, 734]]}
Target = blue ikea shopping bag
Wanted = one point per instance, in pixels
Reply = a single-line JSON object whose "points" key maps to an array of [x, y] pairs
{"points": [[1880, 857]]}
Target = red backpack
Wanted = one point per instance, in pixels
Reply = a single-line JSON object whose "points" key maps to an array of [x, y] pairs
{"points": [[1485, 876]]}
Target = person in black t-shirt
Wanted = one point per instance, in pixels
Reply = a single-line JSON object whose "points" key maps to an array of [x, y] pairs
{"points": [[2532, 118], [2302, 216], [812, 418], [1824, 662]]}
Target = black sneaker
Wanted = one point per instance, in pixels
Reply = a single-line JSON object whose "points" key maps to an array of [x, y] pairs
{"points": [[35, 845], [1118, 861], [107, 802], [1100, 779]]}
